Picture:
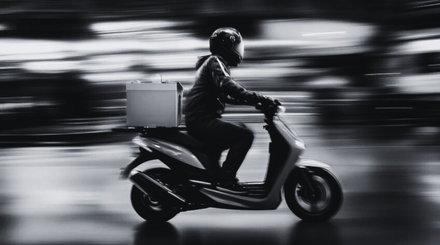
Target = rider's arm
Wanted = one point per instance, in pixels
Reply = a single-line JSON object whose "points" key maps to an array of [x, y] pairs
{"points": [[230, 87], [228, 99]]}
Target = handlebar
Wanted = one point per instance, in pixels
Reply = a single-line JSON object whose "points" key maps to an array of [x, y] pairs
{"points": [[270, 110]]}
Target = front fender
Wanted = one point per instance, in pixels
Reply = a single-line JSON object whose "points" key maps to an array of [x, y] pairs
{"points": [[312, 163], [303, 175]]}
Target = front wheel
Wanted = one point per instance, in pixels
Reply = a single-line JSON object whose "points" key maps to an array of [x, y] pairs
{"points": [[320, 205], [152, 206]]}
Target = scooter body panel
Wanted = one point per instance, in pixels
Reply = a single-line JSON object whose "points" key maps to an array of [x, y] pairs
{"points": [[167, 148], [285, 151], [283, 138]]}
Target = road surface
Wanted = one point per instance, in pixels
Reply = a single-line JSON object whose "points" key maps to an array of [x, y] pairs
{"points": [[72, 195]]}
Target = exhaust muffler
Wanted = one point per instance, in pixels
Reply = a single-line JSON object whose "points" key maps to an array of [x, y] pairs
{"points": [[147, 184]]}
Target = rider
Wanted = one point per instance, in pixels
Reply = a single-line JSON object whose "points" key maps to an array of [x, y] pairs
{"points": [[206, 100]]}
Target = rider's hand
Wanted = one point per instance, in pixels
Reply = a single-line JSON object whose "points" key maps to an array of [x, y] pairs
{"points": [[277, 102], [267, 101]]}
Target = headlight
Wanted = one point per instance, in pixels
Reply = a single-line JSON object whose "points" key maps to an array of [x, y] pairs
{"points": [[300, 144]]}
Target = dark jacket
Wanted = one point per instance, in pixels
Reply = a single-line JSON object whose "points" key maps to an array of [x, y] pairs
{"points": [[214, 87]]}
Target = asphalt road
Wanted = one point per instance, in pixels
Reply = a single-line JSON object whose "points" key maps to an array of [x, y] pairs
{"points": [[72, 195]]}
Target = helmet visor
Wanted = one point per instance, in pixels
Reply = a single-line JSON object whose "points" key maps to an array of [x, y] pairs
{"points": [[239, 48]]}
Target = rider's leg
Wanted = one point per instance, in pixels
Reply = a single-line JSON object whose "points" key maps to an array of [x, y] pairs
{"points": [[238, 139], [223, 135], [237, 152]]}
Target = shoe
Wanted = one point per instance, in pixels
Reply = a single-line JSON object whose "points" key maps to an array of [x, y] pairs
{"points": [[232, 187]]}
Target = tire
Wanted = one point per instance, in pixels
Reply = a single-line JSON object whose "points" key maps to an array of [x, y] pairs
{"points": [[151, 206], [324, 205]]}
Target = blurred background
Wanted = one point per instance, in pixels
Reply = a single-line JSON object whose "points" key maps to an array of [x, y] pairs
{"points": [[360, 80], [64, 65]]}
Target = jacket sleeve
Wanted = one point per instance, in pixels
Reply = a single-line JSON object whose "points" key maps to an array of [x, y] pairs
{"points": [[230, 87]]}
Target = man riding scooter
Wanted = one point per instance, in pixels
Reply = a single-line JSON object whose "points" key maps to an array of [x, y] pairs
{"points": [[205, 104]]}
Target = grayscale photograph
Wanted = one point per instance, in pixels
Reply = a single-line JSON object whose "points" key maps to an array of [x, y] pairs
{"points": [[163, 122]]}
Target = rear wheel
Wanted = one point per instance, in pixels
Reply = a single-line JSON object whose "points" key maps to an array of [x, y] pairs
{"points": [[152, 206], [318, 206]]}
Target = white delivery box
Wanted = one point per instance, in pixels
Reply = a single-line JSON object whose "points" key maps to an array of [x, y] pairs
{"points": [[154, 104]]}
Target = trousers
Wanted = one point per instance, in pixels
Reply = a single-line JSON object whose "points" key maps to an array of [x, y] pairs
{"points": [[219, 135]]}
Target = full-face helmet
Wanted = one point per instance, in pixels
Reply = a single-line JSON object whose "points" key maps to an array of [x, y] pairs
{"points": [[228, 43]]}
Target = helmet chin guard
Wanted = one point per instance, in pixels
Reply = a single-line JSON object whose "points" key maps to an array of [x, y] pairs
{"points": [[228, 43]]}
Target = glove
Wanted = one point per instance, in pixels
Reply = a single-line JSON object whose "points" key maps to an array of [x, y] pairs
{"points": [[268, 101]]}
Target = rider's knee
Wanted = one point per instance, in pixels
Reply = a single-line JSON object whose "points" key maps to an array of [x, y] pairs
{"points": [[248, 135]]}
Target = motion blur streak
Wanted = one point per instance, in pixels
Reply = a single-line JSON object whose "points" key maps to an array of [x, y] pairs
{"points": [[359, 79]]}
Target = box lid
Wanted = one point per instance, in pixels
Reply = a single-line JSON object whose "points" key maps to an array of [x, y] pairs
{"points": [[154, 86]]}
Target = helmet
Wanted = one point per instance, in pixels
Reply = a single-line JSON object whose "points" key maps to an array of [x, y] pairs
{"points": [[228, 43]]}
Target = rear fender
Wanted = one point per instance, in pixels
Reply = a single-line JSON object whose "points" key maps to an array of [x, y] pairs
{"points": [[143, 157]]}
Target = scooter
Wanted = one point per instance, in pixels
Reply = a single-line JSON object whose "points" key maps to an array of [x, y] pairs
{"points": [[185, 183]]}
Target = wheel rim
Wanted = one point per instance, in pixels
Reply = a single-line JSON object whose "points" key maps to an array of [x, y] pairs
{"points": [[152, 203], [317, 203]]}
